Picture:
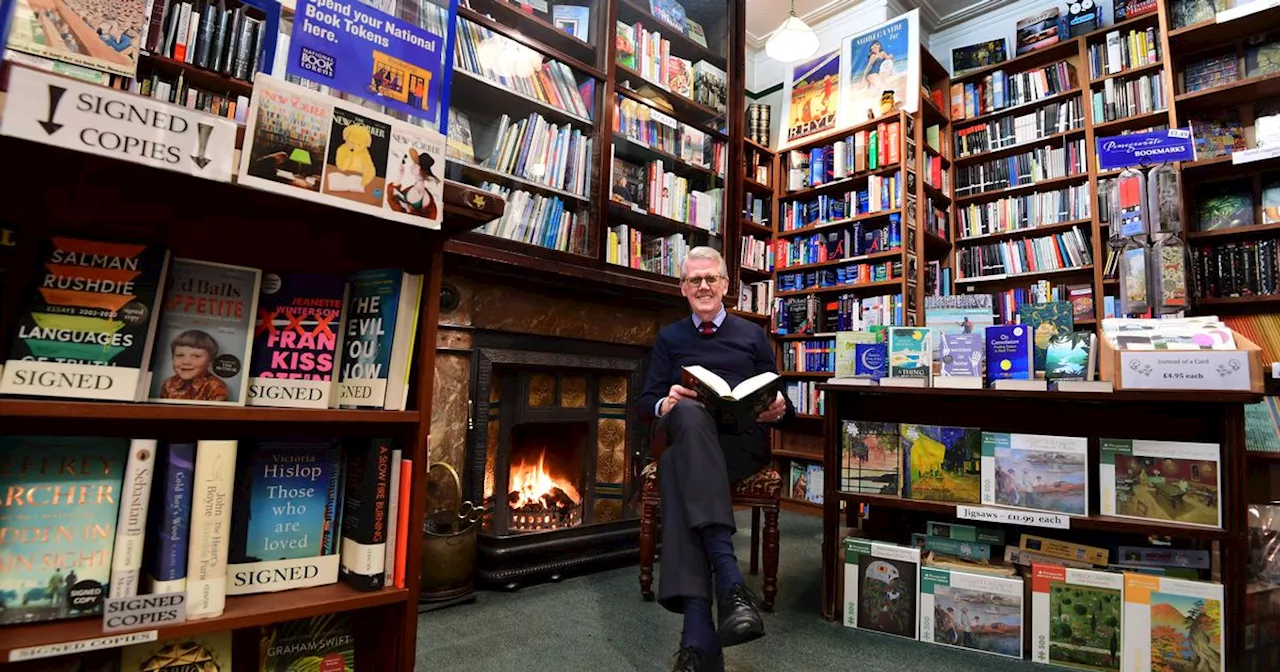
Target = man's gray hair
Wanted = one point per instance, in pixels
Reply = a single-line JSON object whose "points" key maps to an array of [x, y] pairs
{"points": [[707, 253]]}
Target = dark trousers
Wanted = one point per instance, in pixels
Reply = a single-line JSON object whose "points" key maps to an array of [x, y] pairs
{"points": [[694, 475]]}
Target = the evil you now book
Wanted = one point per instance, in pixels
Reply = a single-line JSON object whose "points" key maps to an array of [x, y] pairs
{"points": [[84, 332]]}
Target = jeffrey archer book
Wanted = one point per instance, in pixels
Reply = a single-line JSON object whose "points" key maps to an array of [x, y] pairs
{"points": [[86, 331], [205, 334], [295, 340]]}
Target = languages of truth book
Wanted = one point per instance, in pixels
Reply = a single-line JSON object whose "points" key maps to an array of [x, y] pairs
{"points": [[1077, 617], [734, 408], [971, 611], [869, 457], [87, 330], [941, 464], [1036, 471], [1160, 480], [295, 340], [1172, 624], [881, 587], [59, 517], [205, 334]]}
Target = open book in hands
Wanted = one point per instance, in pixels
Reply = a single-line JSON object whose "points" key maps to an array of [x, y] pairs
{"points": [[734, 409]]}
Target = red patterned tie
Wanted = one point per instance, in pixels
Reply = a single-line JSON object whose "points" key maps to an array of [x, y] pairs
{"points": [[707, 328]]}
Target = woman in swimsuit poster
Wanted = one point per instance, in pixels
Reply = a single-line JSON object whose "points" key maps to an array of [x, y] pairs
{"points": [[881, 71]]}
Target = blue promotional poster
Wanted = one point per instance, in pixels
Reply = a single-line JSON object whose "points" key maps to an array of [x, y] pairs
{"points": [[881, 70], [1146, 149], [814, 89], [367, 53]]}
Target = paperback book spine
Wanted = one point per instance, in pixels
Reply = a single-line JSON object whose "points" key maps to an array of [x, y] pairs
{"points": [[131, 524], [214, 478]]}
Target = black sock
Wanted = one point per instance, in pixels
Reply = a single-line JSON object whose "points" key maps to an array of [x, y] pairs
{"points": [[699, 630], [717, 542]]}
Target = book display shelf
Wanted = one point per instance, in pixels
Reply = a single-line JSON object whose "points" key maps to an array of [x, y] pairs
{"points": [[231, 224], [1209, 417], [625, 153]]}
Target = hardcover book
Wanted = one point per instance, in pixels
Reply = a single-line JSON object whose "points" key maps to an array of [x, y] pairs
{"points": [[880, 587], [1036, 471], [871, 360], [1172, 624], [962, 354], [56, 554], [169, 520], [1045, 320], [735, 409], [910, 352], [207, 653], [380, 323], [285, 495], [1008, 353], [1070, 356], [205, 334], [295, 340], [941, 464], [869, 457], [971, 611], [365, 518], [1076, 617], [87, 331], [1161, 480]]}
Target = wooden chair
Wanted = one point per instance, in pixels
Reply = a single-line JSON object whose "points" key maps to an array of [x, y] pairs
{"points": [[761, 491]]}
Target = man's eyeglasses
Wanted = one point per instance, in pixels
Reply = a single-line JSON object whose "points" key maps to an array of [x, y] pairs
{"points": [[697, 281]]}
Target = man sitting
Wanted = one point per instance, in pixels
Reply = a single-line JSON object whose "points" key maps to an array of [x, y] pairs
{"points": [[701, 462]]}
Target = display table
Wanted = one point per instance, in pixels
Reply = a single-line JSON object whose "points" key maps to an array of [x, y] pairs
{"points": [[1212, 417]]}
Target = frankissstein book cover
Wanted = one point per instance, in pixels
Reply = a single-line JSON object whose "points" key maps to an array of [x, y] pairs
{"points": [[295, 340], [85, 332], [57, 524], [205, 334]]}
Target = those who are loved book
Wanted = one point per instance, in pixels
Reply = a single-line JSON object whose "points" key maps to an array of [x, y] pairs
{"points": [[734, 408]]}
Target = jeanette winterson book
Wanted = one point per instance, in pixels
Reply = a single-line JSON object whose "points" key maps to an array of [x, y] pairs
{"points": [[205, 334], [734, 408], [87, 331], [295, 341]]}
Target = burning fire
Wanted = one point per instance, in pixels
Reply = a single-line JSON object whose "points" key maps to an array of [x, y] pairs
{"points": [[532, 485]]}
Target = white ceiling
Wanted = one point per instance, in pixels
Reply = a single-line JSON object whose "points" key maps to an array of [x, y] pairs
{"points": [[763, 16]]}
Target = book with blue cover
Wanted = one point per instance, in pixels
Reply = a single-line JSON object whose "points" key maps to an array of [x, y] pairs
{"points": [[164, 559], [1008, 353], [376, 343], [910, 352], [871, 360], [1045, 320], [284, 493]]}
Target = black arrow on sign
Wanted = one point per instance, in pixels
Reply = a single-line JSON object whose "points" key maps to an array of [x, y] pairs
{"points": [[203, 131], [55, 96]]}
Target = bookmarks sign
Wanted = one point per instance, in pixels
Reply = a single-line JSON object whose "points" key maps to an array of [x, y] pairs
{"points": [[369, 54], [1142, 149], [65, 113], [307, 145]]}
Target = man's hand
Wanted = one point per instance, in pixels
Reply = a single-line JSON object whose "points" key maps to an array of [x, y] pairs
{"points": [[775, 411], [676, 393]]}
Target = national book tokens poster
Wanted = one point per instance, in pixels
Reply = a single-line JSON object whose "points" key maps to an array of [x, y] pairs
{"points": [[881, 70], [814, 95], [98, 34]]}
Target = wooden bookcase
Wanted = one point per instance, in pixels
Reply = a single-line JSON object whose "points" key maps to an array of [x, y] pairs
{"points": [[237, 225], [596, 60], [1215, 417]]}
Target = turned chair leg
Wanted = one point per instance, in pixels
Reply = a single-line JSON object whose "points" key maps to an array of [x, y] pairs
{"points": [[755, 540], [771, 549], [648, 526]]}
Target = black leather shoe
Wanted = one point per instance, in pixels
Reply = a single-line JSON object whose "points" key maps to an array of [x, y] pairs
{"points": [[689, 659], [740, 620]]}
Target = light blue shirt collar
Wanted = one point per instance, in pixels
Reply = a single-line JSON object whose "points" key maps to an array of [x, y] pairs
{"points": [[717, 320]]}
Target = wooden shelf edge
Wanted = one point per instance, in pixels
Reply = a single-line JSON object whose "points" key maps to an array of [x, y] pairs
{"points": [[813, 228], [1189, 397], [1231, 232], [62, 409], [797, 454], [241, 612]]}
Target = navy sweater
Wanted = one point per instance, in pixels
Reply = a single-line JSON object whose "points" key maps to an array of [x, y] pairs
{"points": [[738, 350]]}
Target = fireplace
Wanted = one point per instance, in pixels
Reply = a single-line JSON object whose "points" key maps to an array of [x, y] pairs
{"points": [[554, 453]]}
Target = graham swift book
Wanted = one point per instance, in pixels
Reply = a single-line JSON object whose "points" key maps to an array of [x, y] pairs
{"points": [[205, 334], [733, 408], [296, 340], [86, 331]]}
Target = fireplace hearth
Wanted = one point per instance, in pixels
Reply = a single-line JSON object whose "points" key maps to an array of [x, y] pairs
{"points": [[553, 452]]}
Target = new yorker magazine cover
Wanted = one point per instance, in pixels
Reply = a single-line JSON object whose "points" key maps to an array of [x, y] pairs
{"points": [[881, 70], [414, 187], [55, 561], [356, 168], [814, 96]]}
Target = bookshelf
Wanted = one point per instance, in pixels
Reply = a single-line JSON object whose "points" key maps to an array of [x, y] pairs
{"points": [[234, 224]]}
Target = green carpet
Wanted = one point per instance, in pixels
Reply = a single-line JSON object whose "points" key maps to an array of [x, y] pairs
{"points": [[599, 622]]}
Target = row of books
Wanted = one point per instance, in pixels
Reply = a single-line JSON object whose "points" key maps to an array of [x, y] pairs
{"points": [[218, 36], [1124, 51], [755, 254], [935, 219], [630, 247], [1070, 249], [648, 53], [1262, 328], [1008, 303], [934, 174], [547, 221], [553, 155], [552, 82], [852, 273], [1000, 90], [806, 356], [864, 150], [1010, 130], [807, 479], [812, 314], [805, 396], [1042, 163], [120, 320], [846, 242], [756, 208], [756, 297], [653, 189], [658, 130], [1126, 97], [1210, 71], [179, 91], [882, 193], [759, 166], [1017, 213], [210, 518], [1245, 268]]}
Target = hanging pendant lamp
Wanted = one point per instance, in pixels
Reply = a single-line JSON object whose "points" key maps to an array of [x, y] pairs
{"points": [[794, 40]]}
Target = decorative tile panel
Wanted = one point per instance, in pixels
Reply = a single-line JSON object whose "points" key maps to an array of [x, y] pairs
{"points": [[542, 390], [573, 391]]}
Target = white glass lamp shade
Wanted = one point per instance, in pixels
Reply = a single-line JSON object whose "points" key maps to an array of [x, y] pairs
{"points": [[792, 41], [506, 58]]}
